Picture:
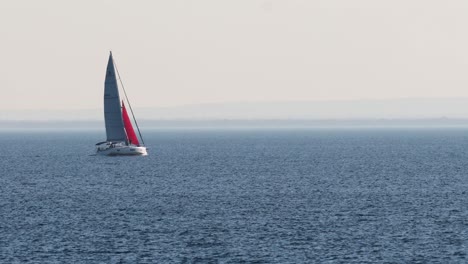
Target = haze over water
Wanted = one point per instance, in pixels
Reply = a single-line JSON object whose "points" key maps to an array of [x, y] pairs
{"points": [[265, 196]]}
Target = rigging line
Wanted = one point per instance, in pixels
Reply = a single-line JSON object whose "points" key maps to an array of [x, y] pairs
{"points": [[128, 102]]}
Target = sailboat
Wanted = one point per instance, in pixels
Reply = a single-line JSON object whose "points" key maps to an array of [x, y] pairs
{"points": [[121, 137]]}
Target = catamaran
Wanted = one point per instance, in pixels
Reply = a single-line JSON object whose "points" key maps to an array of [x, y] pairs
{"points": [[121, 137]]}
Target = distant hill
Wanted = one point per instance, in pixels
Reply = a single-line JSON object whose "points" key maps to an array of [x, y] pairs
{"points": [[411, 108], [229, 124]]}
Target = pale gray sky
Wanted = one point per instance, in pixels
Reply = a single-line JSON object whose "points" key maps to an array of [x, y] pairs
{"points": [[54, 52]]}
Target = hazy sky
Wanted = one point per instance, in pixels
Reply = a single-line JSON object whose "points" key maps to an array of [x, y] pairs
{"points": [[54, 52]]}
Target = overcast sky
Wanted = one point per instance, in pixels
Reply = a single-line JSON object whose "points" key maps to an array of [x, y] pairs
{"points": [[53, 53]]}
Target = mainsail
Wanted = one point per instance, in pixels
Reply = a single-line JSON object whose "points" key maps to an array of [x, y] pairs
{"points": [[132, 138], [112, 111]]}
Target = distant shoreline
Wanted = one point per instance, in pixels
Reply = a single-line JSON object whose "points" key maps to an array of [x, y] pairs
{"points": [[241, 124]]}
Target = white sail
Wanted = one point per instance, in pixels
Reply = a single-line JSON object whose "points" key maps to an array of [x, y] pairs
{"points": [[112, 109]]}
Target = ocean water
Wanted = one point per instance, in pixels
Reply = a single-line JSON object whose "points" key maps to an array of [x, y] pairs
{"points": [[267, 196]]}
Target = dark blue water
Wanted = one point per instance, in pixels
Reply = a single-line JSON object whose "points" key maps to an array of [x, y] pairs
{"points": [[343, 196]]}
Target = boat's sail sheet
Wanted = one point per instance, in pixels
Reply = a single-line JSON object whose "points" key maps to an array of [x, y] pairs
{"points": [[132, 138], [112, 111]]}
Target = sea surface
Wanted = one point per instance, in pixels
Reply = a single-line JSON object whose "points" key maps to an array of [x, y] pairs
{"points": [[237, 196]]}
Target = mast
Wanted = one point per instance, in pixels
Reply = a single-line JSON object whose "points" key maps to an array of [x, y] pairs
{"points": [[128, 102]]}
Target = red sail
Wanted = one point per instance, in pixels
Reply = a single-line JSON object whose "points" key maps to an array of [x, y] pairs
{"points": [[132, 138]]}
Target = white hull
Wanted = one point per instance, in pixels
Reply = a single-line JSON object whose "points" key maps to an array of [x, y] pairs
{"points": [[122, 151]]}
